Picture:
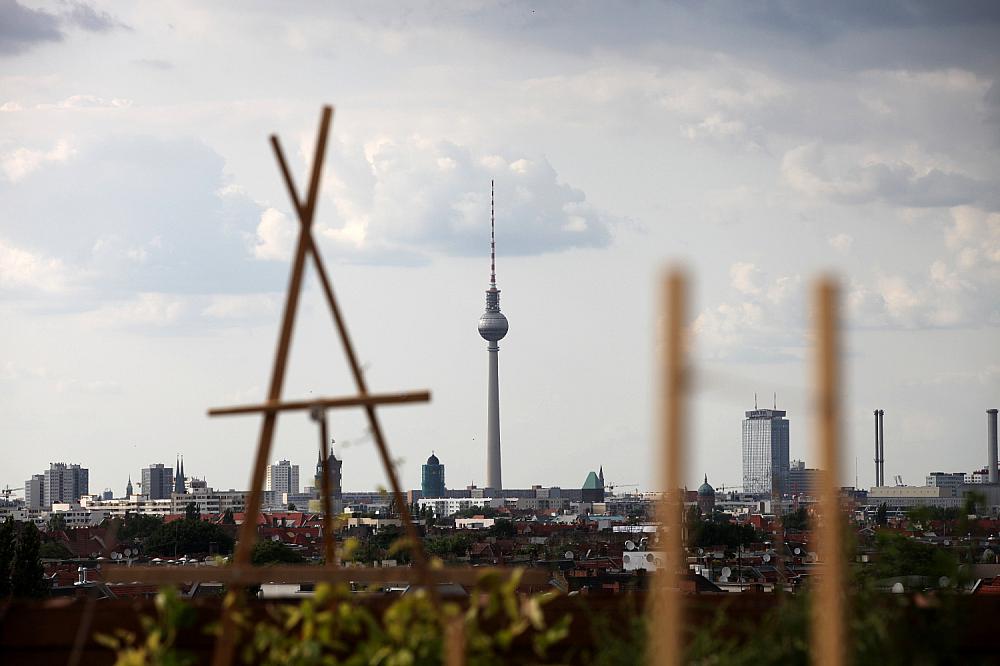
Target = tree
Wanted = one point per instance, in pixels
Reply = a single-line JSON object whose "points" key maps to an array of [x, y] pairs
{"points": [[7, 537], [882, 514], [57, 522], [138, 526], [899, 555], [796, 520], [27, 577], [54, 550], [503, 529], [274, 552], [291, 506], [191, 512], [227, 518], [183, 537]]}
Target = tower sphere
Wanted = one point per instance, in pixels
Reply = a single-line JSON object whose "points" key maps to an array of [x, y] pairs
{"points": [[493, 326]]}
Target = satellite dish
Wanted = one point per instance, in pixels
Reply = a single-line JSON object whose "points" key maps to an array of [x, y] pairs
{"points": [[626, 559], [797, 551], [649, 557], [897, 588], [116, 556], [568, 554], [767, 557], [726, 572], [128, 552], [947, 542], [630, 545], [944, 581], [811, 556]]}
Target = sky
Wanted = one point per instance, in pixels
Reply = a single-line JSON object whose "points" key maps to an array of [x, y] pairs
{"points": [[145, 233]]}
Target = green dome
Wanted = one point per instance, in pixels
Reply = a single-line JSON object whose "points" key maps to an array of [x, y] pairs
{"points": [[706, 490]]}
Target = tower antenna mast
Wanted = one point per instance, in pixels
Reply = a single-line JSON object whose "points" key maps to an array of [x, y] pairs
{"points": [[493, 243]]}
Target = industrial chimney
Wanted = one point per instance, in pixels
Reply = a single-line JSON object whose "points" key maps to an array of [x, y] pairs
{"points": [[991, 443]]}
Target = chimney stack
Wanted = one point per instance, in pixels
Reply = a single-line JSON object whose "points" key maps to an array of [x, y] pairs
{"points": [[877, 480], [991, 443], [881, 446]]}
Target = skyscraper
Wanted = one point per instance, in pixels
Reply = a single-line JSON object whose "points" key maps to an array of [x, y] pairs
{"points": [[157, 481], [765, 451], [432, 478], [493, 327], [283, 478], [34, 492], [64, 483]]}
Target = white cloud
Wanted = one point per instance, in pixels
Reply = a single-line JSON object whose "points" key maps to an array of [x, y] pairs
{"points": [[276, 236], [146, 309], [20, 162], [240, 306], [21, 269], [410, 198], [841, 242]]}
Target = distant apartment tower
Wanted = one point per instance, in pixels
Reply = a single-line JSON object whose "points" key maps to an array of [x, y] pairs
{"points": [[65, 483], [432, 478], [283, 478], [157, 481], [765, 451], [34, 492]]}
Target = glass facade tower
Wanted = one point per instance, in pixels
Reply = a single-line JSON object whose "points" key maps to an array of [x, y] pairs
{"points": [[765, 451]]}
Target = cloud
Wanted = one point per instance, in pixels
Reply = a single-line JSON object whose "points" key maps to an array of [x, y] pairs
{"points": [[21, 269], [136, 214], [21, 162], [276, 236], [22, 28], [809, 169], [392, 200], [154, 63], [156, 310], [762, 324], [85, 17], [841, 242]]}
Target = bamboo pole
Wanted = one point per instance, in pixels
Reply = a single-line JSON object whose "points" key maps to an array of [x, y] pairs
{"points": [[828, 628], [325, 403], [225, 646], [666, 640]]}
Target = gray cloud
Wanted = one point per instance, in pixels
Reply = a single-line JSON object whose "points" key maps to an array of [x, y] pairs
{"points": [[85, 17], [808, 169], [139, 214], [22, 28]]}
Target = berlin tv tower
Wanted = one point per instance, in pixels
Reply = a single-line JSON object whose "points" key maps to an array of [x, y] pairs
{"points": [[492, 327]]}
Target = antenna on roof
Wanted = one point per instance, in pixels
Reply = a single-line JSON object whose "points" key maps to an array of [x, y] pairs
{"points": [[493, 251], [775, 400], [755, 400]]}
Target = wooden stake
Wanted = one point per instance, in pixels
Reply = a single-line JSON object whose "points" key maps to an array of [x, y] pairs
{"points": [[225, 646], [325, 403], [665, 633], [828, 628]]}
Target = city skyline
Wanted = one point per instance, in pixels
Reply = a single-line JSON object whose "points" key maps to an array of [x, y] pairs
{"points": [[149, 290]]}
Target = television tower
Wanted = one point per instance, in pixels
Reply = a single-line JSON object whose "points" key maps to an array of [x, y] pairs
{"points": [[492, 327]]}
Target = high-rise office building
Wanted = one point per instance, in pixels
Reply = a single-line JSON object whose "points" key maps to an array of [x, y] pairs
{"points": [[34, 492], [493, 327], [432, 478], [64, 483], [282, 478], [157, 481], [765, 451]]}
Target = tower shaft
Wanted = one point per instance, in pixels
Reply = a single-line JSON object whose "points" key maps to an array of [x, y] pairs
{"points": [[493, 479]]}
